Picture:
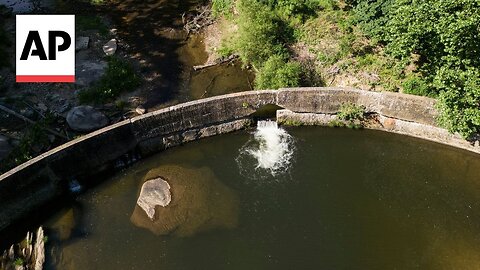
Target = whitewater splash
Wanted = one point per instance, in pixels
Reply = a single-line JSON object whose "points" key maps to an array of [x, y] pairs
{"points": [[271, 149]]}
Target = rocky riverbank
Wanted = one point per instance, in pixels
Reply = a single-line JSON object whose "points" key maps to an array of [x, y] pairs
{"points": [[26, 255], [159, 52]]}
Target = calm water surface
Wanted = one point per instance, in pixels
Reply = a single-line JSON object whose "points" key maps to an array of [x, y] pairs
{"points": [[351, 200]]}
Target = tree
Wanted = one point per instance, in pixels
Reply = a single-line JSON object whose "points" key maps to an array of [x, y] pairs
{"points": [[277, 73]]}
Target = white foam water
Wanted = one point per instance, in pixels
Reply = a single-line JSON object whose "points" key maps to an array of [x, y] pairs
{"points": [[272, 148]]}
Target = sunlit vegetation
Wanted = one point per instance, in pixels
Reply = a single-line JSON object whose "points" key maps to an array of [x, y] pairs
{"points": [[265, 30], [351, 112], [277, 73], [442, 38], [429, 48]]}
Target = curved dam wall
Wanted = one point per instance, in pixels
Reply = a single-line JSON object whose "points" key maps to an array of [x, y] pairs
{"points": [[38, 181]]}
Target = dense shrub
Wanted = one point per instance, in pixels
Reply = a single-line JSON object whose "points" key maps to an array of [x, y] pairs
{"points": [[459, 100], [372, 16], [277, 73], [351, 112], [260, 33], [440, 31], [416, 85], [445, 34], [265, 31], [298, 10]]}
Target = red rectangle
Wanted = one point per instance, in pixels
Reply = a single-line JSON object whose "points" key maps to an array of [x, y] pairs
{"points": [[45, 78]]}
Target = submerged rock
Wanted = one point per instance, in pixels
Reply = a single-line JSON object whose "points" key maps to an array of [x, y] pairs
{"points": [[199, 202], [86, 119], [65, 225], [154, 193]]}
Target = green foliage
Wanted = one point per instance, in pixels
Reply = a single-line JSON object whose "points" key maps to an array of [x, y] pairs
{"points": [[416, 85], [325, 4], [225, 51], [298, 10], [265, 30], [350, 112], [119, 77], [459, 100], [292, 123], [372, 16], [97, 2], [18, 262], [440, 31], [445, 35], [354, 125], [348, 124], [222, 7], [260, 33], [349, 115], [336, 123], [277, 73]]}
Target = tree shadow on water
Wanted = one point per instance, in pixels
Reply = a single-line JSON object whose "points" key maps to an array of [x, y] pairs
{"points": [[154, 31]]}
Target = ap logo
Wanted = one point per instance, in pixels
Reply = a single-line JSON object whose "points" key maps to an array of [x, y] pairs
{"points": [[45, 48]]}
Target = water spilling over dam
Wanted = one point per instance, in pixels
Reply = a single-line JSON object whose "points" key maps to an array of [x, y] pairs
{"points": [[269, 151]]}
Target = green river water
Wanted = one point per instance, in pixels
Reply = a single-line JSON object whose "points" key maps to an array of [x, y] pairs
{"points": [[349, 200]]}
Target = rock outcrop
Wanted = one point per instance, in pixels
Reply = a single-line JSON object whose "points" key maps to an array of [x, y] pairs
{"points": [[155, 192], [199, 202], [89, 71], [86, 119], [27, 255]]}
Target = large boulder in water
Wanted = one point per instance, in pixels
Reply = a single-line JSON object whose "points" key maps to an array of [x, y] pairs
{"points": [[155, 192], [199, 202], [86, 119]]}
